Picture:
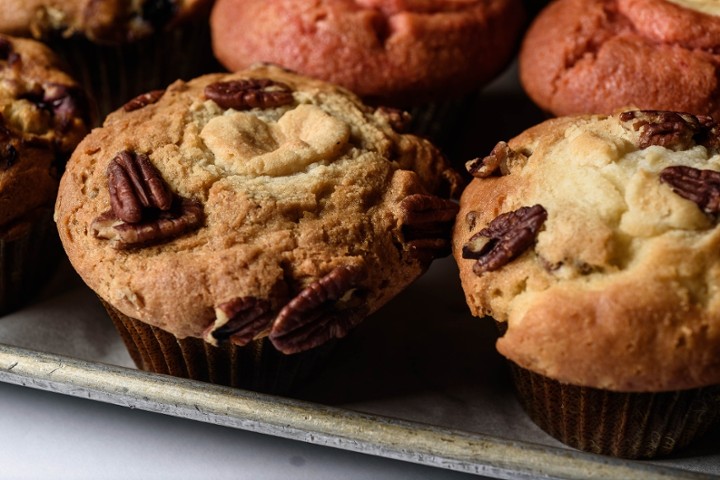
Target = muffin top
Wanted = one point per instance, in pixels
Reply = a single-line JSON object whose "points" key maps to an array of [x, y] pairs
{"points": [[595, 56], [259, 203], [596, 240], [102, 21], [43, 116], [399, 52]]}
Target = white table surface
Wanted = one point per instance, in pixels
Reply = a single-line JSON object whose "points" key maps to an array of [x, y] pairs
{"points": [[48, 435]]}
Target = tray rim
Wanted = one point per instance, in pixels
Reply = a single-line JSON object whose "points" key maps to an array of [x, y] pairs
{"points": [[315, 423]]}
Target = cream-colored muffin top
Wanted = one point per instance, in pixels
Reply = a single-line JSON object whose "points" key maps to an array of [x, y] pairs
{"points": [[104, 21], [43, 116], [607, 274], [258, 203]]}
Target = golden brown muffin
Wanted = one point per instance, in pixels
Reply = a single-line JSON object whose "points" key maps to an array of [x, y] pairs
{"points": [[594, 241], [394, 52], [594, 56], [280, 211], [43, 116]]}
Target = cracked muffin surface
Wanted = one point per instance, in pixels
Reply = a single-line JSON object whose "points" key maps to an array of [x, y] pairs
{"points": [[600, 55], [269, 205], [395, 52], [595, 239]]}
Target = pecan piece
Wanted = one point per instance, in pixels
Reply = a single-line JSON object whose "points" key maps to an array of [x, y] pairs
{"points": [[135, 185], [673, 130], [66, 103], [186, 215], [241, 320], [143, 100], [250, 93], [499, 162], [326, 309], [699, 186], [505, 238], [426, 225]]}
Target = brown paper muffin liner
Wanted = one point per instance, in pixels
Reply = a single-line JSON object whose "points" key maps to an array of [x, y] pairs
{"points": [[114, 74], [628, 425], [257, 366], [29, 253]]}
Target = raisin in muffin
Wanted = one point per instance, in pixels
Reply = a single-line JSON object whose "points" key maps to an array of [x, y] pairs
{"points": [[42, 118], [595, 56], [118, 49], [594, 242], [234, 221]]}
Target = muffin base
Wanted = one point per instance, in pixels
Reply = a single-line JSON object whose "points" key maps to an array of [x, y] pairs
{"points": [[627, 425], [29, 252], [256, 366]]}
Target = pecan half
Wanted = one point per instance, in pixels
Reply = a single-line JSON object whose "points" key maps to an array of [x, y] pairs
{"points": [[326, 309], [699, 186], [143, 100], [250, 93], [185, 215], [426, 225], [240, 319], [673, 130], [136, 185], [499, 162], [398, 119], [505, 238]]}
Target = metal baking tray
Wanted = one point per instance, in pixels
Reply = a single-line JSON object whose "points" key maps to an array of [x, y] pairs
{"points": [[419, 381]]}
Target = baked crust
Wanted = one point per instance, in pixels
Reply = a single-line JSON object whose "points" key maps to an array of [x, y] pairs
{"points": [[102, 21], [600, 55], [290, 194], [620, 290], [394, 52], [43, 116]]}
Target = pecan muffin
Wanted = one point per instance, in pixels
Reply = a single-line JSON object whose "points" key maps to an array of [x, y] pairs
{"points": [[235, 221], [593, 241], [422, 55], [118, 49], [595, 56], [42, 118]]}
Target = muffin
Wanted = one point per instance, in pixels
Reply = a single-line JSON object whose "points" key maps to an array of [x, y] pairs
{"points": [[595, 56], [236, 225], [42, 118], [118, 49], [417, 55], [593, 242]]}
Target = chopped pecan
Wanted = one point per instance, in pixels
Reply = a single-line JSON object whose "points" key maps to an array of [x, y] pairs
{"points": [[185, 215], [699, 186], [398, 119], [66, 103], [505, 238], [136, 185], [426, 225], [673, 130], [499, 162], [240, 319], [143, 100], [250, 93], [326, 309]]}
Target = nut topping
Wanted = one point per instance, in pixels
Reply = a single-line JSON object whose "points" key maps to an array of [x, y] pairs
{"points": [[326, 309], [250, 93], [184, 216], [505, 238], [499, 162], [398, 119], [426, 224], [240, 319], [143, 100], [699, 186], [135, 184], [673, 130]]}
